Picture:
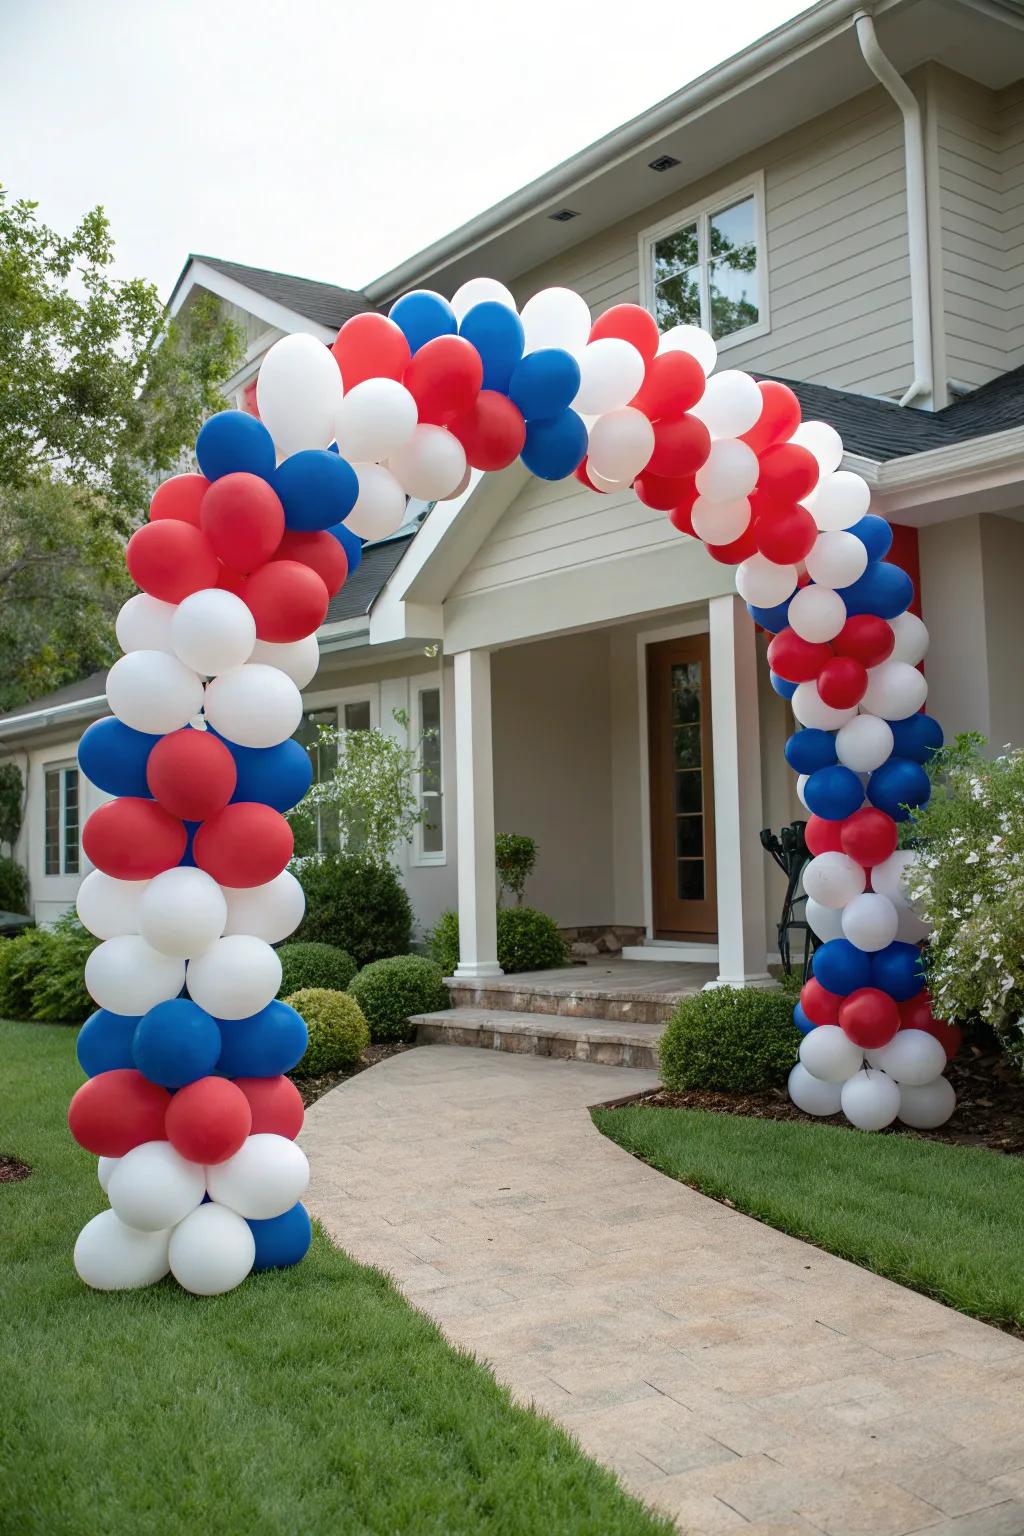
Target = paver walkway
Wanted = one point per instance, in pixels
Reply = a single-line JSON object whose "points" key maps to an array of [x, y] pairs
{"points": [[732, 1375]]}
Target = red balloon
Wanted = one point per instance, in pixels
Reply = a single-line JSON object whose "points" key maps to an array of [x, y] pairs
{"points": [[787, 472], [191, 774], [866, 638], [740, 549], [492, 432], [170, 560], [680, 516], [869, 836], [133, 839], [823, 836], [820, 1006], [842, 682], [370, 347], [243, 518], [917, 1014], [208, 1120], [673, 383], [629, 323], [245, 844], [116, 1111], [276, 1105], [661, 494], [444, 378], [321, 551], [869, 1018], [231, 581], [580, 474], [779, 418], [180, 497], [786, 535], [796, 659], [287, 600], [681, 444]]}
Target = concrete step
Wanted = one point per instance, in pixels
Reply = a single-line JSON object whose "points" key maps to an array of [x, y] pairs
{"points": [[608, 1042], [621, 993]]}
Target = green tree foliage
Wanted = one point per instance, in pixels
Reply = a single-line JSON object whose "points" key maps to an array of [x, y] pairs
{"points": [[515, 856], [368, 802]]}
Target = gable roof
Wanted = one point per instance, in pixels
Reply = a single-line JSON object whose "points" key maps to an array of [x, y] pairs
{"points": [[368, 579], [325, 303]]}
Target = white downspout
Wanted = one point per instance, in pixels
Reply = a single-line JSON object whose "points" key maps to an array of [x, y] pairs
{"points": [[917, 211]]}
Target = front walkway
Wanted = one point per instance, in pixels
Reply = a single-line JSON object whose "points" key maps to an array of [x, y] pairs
{"points": [[732, 1375]]}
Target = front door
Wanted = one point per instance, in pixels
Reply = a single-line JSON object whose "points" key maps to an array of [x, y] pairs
{"points": [[682, 791]]}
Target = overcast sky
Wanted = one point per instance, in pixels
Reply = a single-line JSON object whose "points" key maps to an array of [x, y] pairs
{"points": [[325, 137]]}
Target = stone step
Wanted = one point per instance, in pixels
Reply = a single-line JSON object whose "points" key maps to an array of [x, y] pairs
{"points": [[605, 1041], [585, 992]]}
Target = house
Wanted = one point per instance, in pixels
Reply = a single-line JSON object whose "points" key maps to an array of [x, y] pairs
{"points": [[843, 204]]}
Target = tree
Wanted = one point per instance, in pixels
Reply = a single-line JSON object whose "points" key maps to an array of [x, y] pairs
{"points": [[367, 804]]}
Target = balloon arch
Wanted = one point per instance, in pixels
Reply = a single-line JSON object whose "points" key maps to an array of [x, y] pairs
{"points": [[187, 1104]]}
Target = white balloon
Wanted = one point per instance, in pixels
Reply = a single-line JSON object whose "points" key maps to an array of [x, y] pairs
{"points": [[719, 522], [821, 439], [298, 392], [380, 506], [913, 1057], [889, 877], [864, 744], [895, 690], [812, 1095], [480, 290], [611, 372], [104, 1168], [911, 638], [606, 486], [128, 976], [621, 442], [839, 500], [826, 922], [299, 659], [462, 486], [374, 419], [264, 1178], [870, 1100], [801, 789], [816, 613], [211, 1251], [153, 1187], [837, 559], [212, 631], [254, 705], [109, 907], [810, 709], [556, 317], [830, 1055], [182, 912], [234, 978], [730, 404], [153, 692], [870, 921], [144, 624], [269, 912], [112, 1257], [729, 471], [763, 583], [429, 465], [929, 1106], [691, 338], [833, 879]]}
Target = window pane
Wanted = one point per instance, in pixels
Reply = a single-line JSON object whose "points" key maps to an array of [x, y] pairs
{"points": [[687, 744], [675, 253], [689, 792], [690, 879], [677, 300], [432, 827], [686, 693], [71, 821], [734, 276], [51, 840], [689, 837], [357, 716]]}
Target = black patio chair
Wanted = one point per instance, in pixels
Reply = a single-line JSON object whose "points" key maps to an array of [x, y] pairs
{"points": [[790, 852]]}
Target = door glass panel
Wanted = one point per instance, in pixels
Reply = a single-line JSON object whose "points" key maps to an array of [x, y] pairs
{"points": [[690, 879], [689, 792], [688, 800], [689, 837]]}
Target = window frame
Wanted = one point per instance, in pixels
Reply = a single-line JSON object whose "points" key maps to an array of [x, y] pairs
{"points": [[700, 214], [421, 857], [334, 701], [62, 767]]}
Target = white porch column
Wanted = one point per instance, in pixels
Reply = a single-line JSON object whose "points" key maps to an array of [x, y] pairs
{"points": [[474, 783], [736, 745]]}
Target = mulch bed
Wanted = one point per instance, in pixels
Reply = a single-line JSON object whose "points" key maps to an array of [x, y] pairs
{"points": [[989, 1110], [313, 1088], [11, 1170]]}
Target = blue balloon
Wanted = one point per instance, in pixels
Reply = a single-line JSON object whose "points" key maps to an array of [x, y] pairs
{"points": [[350, 542], [772, 619], [898, 783], [497, 334], [233, 442], [317, 489], [265, 1045], [113, 757], [175, 1043], [421, 315], [810, 749], [282, 1240], [783, 687], [553, 449], [917, 737], [875, 534], [898, 970], [191, 828], [545, 383], [883, 589], [104, 1042], [841, 967], [802, 1022], [833, 793], [275, 776]]}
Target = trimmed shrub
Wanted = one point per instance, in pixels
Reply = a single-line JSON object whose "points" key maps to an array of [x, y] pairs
{"points": [[13, 886], [528, 940], [314, 965], [338, 1033], [388, 991], [41, 974], [360, 907], [443, 943], [730, 1040]]}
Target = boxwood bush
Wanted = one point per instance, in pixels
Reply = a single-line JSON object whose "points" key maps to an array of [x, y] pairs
{"points": [[338, 1032], [528, 940], [731, 1040], [314, 965], [360, 907], [41, 973], [388, 991], [13, 886]]}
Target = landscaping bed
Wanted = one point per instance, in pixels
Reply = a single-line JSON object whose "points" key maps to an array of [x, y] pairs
{"points": [[313, 1088]]}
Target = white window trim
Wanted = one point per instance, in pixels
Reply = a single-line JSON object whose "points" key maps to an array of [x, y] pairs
{"points": [[337, 698], [61, 766], [750, 186], [418, 686]]}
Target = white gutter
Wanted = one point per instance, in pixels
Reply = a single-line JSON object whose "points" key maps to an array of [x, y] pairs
{"points": [[56, 714], [917, 208]]}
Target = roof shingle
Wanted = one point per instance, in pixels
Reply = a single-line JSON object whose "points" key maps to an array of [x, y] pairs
{"points": [[325, 303]]}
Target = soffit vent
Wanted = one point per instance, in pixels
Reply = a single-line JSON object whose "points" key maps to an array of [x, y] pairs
{"points": [[663, 163], [563, 215]]}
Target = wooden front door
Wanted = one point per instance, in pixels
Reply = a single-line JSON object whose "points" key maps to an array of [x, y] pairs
{"points": [[682, 790]]}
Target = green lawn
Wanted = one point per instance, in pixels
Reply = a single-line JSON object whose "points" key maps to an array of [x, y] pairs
{"points": [[309, 1400], [945, 1220]]}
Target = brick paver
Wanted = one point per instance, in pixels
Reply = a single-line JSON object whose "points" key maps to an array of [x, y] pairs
{"points": [[730, 1374]]}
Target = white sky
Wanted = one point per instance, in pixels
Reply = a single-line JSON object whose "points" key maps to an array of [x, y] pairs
{"points": [[322, 137]]}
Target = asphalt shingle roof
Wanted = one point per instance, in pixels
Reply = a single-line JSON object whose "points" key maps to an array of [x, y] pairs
{"points": [[324, 302], [367, 580]]}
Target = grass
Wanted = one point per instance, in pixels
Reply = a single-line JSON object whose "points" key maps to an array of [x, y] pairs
{"points": [[945, 1220], [312, 1399]]}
